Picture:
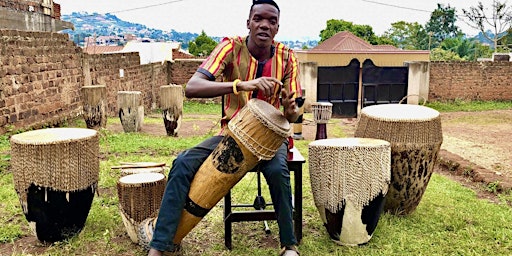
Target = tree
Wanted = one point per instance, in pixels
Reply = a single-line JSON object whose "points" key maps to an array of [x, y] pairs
{"points": [[408, 36], [442, 25], [499, 21], [468, 49], [364, 32], [203, 45], [444, 55]]}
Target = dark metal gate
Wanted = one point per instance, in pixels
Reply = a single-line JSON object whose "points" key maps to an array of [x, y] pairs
{"points": [[380, 85], [340, 86], [383, 85]]}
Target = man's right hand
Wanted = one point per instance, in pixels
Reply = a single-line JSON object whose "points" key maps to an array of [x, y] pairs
{"points": [[264, 84]]}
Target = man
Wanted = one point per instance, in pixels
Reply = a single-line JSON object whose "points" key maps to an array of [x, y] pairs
{"points": [[254, 66]]}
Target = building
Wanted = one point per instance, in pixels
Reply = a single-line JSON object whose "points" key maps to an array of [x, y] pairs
{"points": [[34, 15]]}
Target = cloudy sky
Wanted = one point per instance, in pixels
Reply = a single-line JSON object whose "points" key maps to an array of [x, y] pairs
{"points": [[300, 19]]}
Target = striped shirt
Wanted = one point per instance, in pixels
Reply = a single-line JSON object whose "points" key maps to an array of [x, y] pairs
{"points": [[231, 60]]}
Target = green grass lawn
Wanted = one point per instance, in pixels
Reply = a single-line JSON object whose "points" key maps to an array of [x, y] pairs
{"points": [[450, 220]]}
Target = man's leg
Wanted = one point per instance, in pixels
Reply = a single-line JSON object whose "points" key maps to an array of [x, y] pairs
{"points": [[277, 176], [182, 173]]}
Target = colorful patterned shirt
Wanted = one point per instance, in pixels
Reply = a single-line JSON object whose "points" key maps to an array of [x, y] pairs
{"points": [[231, 60]]}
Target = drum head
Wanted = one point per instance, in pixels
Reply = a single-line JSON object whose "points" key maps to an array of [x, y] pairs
{"points": [[140, 178], [53, 136], [400, 112], [270, 116]]}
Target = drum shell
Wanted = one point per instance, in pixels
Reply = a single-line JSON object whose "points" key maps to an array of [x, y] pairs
{"points": [[171, 103], [322, 112], [55, 174], [349, 180], [139, 201], [415, 134]]}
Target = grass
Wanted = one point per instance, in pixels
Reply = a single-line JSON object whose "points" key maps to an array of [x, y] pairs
{"points": [[450, 220], [464, 105]]}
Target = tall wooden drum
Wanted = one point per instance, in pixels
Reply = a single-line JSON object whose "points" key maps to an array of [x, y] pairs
{"points": [[255, 134], [140, 196], [94, 98], [171, 103], [322, 112], [55, 174], [131, 110], [349, 180], [415, 135]]}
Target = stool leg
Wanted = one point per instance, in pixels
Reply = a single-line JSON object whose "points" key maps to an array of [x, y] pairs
{"points": [[227, 221], [260, 204]]}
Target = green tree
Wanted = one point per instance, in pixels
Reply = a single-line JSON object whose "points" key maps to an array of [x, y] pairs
{"points": [[444, 55], [499, 21], [408, 36], [467, 48], [202, 46], [442, 25], [364, 32]]}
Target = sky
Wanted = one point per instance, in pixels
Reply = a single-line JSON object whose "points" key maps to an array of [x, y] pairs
{"points": [[300, 19]]}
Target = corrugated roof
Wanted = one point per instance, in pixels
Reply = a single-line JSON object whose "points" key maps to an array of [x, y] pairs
{"points": [[346, 41]]}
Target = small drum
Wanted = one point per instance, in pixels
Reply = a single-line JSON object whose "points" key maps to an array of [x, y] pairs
{"points": [[255, 134], [349, 180], [322, 112], [55, 175], [171, 103], [140, 167], [140, 196], [415, 135], [131, 110]]}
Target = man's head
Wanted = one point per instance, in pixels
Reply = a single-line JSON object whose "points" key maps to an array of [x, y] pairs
{"points": [[263, 22]]}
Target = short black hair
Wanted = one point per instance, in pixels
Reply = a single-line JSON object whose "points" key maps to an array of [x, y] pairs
{"points": [[271, 2]]}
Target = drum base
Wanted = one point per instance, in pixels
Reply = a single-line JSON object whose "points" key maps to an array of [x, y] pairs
{"points": [[345, 228], [57, 215]]}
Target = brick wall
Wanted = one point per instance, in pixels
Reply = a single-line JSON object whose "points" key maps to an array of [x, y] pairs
{"points": [[41, 74], [484, 80], [182, 70]]}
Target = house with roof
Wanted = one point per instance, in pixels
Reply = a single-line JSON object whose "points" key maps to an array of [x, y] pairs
{"points": [[350, 73]]}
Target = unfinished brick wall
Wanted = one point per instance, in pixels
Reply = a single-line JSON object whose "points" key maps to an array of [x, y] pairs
{"points": [[484, 80]]}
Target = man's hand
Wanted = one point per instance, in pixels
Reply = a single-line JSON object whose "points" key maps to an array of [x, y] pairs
{"points": [[264, 84], [291, 109]]}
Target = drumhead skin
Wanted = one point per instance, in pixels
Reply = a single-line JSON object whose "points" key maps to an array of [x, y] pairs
{"points": [[53, 136], [400, 112], [270, 116], [141, 178]]}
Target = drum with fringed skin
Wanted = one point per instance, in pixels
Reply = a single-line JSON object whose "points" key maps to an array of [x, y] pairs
{"points": [[322, 112], [55, 174], [171, 103], [94, 98], [415, 135], [349, 180], [140, 196], [255, 134], [131, 110]]}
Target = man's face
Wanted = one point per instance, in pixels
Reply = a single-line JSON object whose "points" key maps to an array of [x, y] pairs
{"points": [[263, 24]]}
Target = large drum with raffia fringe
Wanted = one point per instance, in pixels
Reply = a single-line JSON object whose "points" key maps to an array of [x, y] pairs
{"points": [[254, 134], [349, 180], [55, 173], [415, 135], [140, 196]]}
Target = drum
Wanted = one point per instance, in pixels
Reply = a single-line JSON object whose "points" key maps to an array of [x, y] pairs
{"points": [[255, 134], [322, 112], [94, 98], [415, 135], [349, 180], [55, 174], [297, 125], [140, 167], [140, 196], [131, 110], [171, 103]]}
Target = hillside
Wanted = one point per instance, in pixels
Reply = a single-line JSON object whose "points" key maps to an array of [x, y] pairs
{"points": [[95, 24]]}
